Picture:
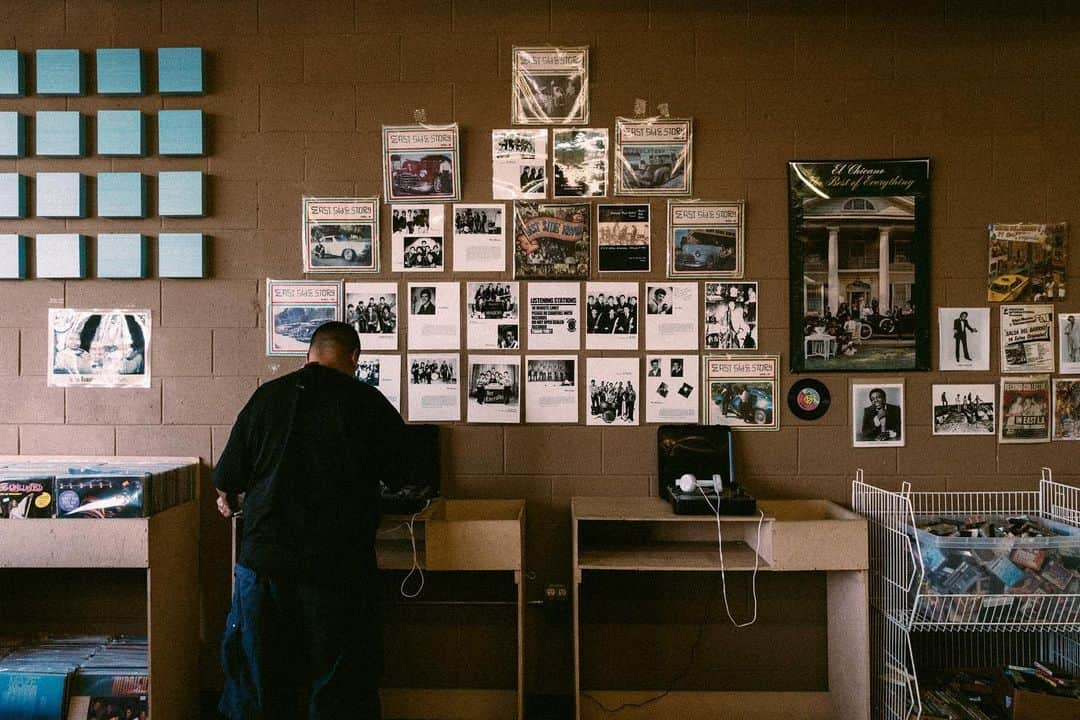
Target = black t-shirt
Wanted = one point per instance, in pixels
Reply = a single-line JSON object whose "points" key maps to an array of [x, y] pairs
{"points": [[308, 450]]}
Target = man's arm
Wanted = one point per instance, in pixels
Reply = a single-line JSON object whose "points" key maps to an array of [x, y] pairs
{"points": [[232, 472]]}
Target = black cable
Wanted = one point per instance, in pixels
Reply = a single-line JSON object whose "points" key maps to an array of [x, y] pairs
{"points": [[678, 676]]}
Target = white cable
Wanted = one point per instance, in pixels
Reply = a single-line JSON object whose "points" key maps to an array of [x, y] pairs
{"points": [[415, 559], [723, 574]]}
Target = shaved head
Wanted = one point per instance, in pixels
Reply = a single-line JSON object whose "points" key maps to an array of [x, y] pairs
{"points": [[335, 344]]}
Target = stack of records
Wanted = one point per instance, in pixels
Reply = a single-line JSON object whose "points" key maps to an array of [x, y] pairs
{"points": [[34, 678]]}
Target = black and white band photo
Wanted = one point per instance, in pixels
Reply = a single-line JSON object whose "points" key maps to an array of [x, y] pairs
{"points": [[372, 309], [494, 389], [519, 164], [382, 372], [434, 387], [731, 320], [551, 394], [964, 338], [493, 315], [550, 86], [671, 316], [479, 238], [671, 394], [964, 409], [417, 241], [624, 238], [612, 385], [434, 316], [611, 316], [877, 414]]}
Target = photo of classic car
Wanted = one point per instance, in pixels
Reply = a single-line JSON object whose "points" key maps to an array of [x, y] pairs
{"points": [[1005, 288]]}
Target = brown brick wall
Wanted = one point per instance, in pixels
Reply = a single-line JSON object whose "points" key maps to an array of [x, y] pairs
{"points": [[297, 92]]}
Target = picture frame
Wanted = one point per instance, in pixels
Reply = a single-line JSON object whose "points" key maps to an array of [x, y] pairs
{"points": [[340, 235], [705, 239], [294, 311], [859, 264], [877, 413], [741, 392], [549, 86], [421, 163], [653, 156]]}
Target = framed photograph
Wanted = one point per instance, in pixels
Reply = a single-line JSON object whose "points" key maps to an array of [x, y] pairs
{"points": [[1066, 409], [964, 409], [341, 235], [519, 164], [877, 414], [623, 238], [705, 239], [421, 163], [294, 311], [612, 315], [372, 308], [1025, 409], [551, 393], [963, 338], [99, 348], [494, 393], [741, 391], [417, 240], [731, 321], [480, 238], [551, 241], [550, 86], [581, 162], [859, 256], [1028, 262], [1069, 343], [613, 391], [653, 156], [1027, 338]]}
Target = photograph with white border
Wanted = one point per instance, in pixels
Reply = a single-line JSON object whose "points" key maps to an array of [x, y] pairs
{"points": [[964, 409], [382, 372], [551, 390], [1025, 409], [611, 315], [612, 385], [731, 316], [554, 315], [1066, 409], [519, 164], [964, 338], [99, 348], [372, 309], [1069, 343], [434, 316], [877, 413], [671, 392], [671, 315], [580, 165], [1027, 338], [479, 238], [417, 241], [492, 309], [494, 389], [434, 387]]}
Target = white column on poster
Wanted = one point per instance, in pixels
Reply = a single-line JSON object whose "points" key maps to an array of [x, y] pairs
{"points": [[434, 387], [612, 314], [671, 316], [551, 389], [434, 316], [612, 388], [382, 372], [554, 315], [480, 238], [492, 309], [672, 392], [494, 389]]}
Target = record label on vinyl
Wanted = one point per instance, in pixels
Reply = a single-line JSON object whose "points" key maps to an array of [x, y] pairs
{"points": [[809, 399]]}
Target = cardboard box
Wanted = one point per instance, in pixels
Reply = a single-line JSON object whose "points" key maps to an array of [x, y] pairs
{"points": [[1027, 705]]}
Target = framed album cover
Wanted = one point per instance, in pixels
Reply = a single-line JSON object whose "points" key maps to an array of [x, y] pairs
{"points": [[1028, 262], [552, 241], [705, 238], [859, 265], [877, 413], [421, 163], [550, 86], [294, 311], [653, 156], [341, 235], [741, 391], [1025, 409]]}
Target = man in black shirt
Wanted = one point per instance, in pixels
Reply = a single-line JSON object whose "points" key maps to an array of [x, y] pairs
{"points": [[306, 454]]}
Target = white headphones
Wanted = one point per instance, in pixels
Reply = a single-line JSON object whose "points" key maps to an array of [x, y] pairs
{"points": [[688, 483]]}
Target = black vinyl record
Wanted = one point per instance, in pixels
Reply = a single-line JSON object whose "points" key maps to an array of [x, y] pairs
{"points": [[809, 399]]}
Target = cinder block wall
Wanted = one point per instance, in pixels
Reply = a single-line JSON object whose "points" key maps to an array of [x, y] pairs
{"points": [[298, 91]]}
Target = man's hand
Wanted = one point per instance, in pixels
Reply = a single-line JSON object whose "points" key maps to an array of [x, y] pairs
{"points": [[227, 504]]}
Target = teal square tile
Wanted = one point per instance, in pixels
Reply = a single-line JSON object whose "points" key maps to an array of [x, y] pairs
{"points": [[12, 73], [121, 133], [13, 250], [121, 255], [59, 72], [180, 132], [180, 71], [60, 255], [121, 195], [180, 194], [181, 255], [13, 195], [59, 133], [12, 134], [119, 71], [60, 194]]}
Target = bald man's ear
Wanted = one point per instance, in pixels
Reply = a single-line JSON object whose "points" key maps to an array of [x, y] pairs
{"points": [[355, 357]]}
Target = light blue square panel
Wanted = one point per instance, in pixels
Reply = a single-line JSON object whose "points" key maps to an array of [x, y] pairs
{"points": [[180, 71], [180, 193], [119, 71], [12, 134], [59, 72], [13, 195], [181, 255], [12, 73], [121, 195], [60, 255], [60, 194], [180, 132], [59, 133], [12, 257], [121, 255], [121, 132]]}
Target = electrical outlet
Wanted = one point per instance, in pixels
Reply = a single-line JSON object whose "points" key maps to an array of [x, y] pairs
{"points": [[555, 593]]}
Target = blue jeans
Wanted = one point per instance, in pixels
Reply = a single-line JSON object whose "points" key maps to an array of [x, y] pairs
{"points": [[299, 650]]}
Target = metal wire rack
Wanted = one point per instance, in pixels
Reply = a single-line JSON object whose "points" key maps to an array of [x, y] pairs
{"points": [[1015, 627]]}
